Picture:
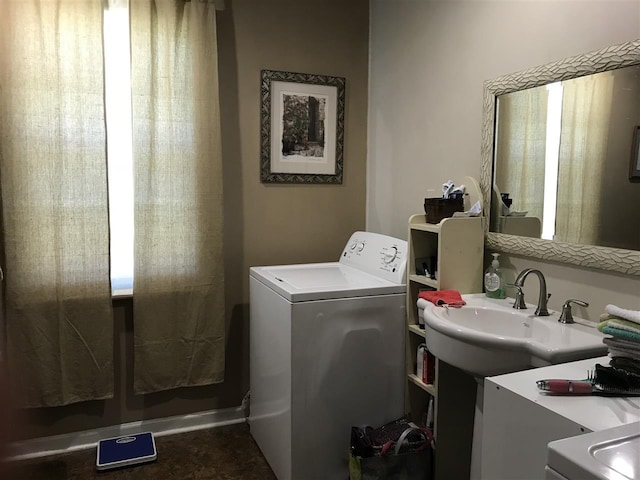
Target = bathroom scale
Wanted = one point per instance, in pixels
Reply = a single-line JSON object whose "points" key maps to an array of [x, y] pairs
{"points": [[125, 451]]}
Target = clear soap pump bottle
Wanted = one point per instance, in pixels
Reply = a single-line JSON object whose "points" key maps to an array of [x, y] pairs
{"points": [[493, 279]]}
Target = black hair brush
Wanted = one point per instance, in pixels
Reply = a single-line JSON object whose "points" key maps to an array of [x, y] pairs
{"points": [[605, 381]]}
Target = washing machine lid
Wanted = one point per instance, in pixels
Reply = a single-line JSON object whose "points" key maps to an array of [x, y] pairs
{"points": [[604, 455], [323, 281]]}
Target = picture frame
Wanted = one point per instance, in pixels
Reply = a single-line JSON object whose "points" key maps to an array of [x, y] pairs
{"points": [[301, 128], [634, 168]]}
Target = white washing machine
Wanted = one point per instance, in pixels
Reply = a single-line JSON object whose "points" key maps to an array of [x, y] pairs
{"points": [[326, 353]]}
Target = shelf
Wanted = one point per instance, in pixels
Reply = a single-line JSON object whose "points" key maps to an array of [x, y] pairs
{"points": [[424, 280], [417, 222], [417, 330], [425, 227], [430, 389], [457, 244]]}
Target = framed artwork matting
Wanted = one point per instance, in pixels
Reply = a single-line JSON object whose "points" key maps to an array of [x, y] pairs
{"points": [[301, 128]]}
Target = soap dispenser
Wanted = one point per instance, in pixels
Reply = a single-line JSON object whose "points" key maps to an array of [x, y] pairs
{"points": [[493, 279]]}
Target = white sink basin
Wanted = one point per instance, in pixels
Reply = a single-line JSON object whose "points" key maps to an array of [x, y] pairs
{"points": [[488, 337]]}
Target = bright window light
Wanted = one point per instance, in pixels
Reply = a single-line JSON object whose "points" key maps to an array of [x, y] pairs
{"points": [[554, 123], [119, 143]]}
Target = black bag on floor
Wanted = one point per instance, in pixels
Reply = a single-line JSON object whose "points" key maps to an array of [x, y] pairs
{"points": [[398, 450]]}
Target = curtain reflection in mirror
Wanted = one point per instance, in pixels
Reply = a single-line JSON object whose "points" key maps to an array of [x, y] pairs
{"points": [[521, 147], [553, 139], [583, 146]]}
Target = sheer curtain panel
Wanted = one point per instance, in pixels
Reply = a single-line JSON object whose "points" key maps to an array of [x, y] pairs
{"points": [[55, 231], [522, 123], [178, 291], [583, 146]]}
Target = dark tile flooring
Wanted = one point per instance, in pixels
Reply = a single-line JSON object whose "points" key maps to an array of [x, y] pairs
{"points": [[223, 453]]}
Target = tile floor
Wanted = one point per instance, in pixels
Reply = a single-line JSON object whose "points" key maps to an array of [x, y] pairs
{"points": [[224, 453]]}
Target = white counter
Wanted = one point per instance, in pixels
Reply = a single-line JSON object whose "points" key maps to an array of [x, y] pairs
{"points": [[519, 421]]}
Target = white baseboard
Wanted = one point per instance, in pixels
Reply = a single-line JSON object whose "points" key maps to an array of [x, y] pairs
{"points": [[69, 442]]}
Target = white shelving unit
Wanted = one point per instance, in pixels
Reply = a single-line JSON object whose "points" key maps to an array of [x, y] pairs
{"points": [[458, 247]]}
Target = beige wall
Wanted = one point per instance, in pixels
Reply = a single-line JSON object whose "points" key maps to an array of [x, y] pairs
{"points": [[264, 224], [269, 223], [428, 62]]}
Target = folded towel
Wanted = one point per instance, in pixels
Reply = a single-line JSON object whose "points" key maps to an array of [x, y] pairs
{"points": [[620, 333], [631, 315], [443, 297], [624, 353], [619, 324], [614, 342], [621, 348]]}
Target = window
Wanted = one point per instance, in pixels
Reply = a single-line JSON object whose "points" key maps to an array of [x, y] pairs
{"points": [[117, 74], [69, 98]]}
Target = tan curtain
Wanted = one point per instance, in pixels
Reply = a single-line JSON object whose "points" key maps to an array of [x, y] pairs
{"points": [[586, 112], [55, 232], [179, 273], [521, 147]]}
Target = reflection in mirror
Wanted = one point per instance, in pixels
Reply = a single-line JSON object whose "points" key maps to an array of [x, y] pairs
{"points": [[556, 157], [562, 161]]}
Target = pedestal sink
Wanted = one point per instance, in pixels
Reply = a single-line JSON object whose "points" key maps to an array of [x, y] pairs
{"points": [[488, 337]]}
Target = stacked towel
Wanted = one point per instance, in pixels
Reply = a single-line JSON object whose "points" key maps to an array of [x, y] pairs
{"points": [[619, 327], [631, 315], [623, 326]]}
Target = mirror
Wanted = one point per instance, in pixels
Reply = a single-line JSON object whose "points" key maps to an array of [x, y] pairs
{"points": [[563, 153], [534, 118]]}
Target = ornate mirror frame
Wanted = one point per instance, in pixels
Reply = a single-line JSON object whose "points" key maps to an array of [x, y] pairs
{"points": [[602, 258]]}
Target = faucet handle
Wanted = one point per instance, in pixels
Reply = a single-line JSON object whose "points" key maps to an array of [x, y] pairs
{"points": [[566, 316], [519, 303]]}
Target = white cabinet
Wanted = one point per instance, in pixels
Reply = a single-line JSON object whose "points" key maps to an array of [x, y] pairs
{"points": [[454, 249], [519, 421]]}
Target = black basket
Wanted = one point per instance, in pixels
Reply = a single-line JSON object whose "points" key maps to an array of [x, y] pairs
{"points": [[438, 208], [396, 451]]}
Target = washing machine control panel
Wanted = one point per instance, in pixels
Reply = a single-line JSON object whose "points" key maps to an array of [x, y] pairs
{"points": [[380, 255]]}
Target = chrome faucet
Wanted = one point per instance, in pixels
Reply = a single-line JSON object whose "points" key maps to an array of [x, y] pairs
{"points": [[566, 316], [541, 311]]}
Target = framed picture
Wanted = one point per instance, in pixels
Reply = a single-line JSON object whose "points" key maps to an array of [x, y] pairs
{"points": [[634, 169], [302, 128]]}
